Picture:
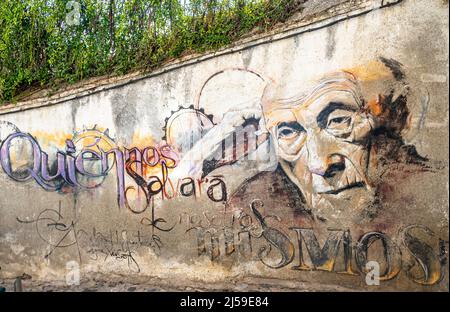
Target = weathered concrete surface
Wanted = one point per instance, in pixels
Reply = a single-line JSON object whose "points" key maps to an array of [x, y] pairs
{"points": [[340, 105], [140, 283]]}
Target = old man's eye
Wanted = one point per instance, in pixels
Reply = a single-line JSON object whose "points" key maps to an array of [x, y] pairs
{"points": [[289, 130], [339, 122], [290, 138], [286, 132]]}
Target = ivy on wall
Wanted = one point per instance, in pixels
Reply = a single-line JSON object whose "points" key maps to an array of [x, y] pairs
{"points": [[50, 42]]}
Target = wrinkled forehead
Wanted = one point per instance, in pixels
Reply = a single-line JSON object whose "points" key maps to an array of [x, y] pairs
{"points": [[337, 89]]}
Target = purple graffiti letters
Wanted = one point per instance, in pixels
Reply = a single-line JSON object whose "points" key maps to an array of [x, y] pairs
{"points": [[68, 169]]}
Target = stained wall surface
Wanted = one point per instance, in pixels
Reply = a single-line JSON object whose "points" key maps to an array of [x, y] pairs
{"points": [[319, 154]]}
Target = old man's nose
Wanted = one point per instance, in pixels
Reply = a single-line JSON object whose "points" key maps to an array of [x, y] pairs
{"points": [[322, 160], [328, 166], [317, 163]]}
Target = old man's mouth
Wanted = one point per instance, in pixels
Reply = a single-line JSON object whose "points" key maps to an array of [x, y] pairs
{"points": [[342, 189]]}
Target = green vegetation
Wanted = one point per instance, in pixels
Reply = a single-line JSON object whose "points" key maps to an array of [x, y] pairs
{"points": [[46, 43]]}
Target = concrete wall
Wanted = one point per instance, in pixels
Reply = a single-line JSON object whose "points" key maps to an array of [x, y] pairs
{"points": [[318, 154]]}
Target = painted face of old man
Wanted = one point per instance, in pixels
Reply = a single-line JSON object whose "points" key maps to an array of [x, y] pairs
{"points": [[323, 139]]}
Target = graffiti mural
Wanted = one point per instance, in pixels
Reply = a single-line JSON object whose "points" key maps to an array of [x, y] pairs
{"points": [[290, 180]]}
